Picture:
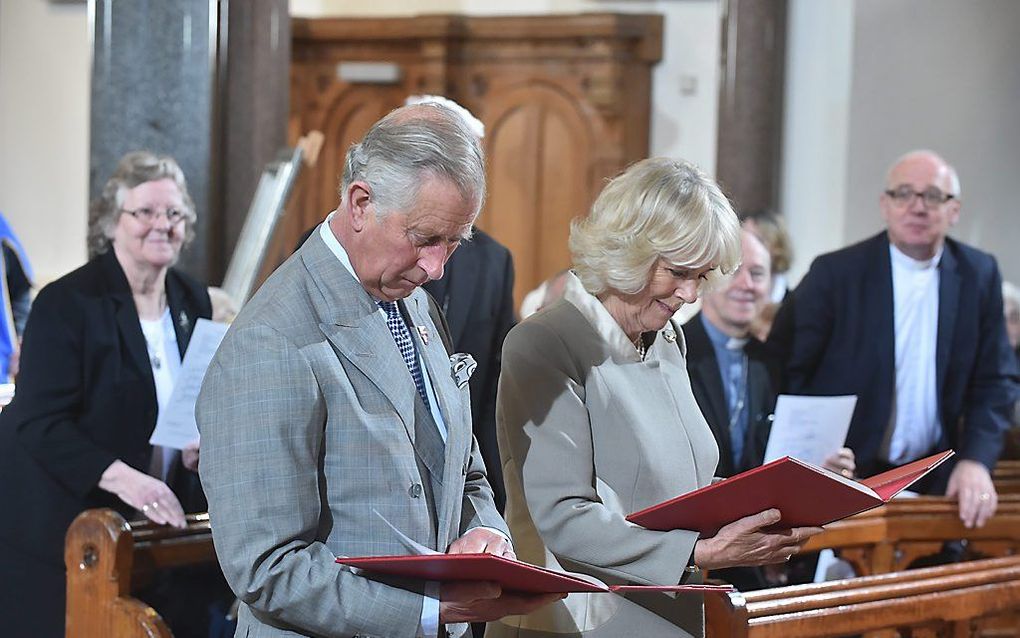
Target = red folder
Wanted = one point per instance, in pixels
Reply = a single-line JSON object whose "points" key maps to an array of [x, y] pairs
{"points": [[805, 495], [511, 575]]}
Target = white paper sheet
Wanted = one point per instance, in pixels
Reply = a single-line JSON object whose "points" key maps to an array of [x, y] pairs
{"points": [[175, 425], [809, 428]]}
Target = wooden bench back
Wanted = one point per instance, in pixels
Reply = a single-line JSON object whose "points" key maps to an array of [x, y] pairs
{"points": [[891, 537], [104, 554], [947, 599]]}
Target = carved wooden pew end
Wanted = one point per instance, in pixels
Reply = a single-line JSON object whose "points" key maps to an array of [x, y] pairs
{"points": [[102, 552]]}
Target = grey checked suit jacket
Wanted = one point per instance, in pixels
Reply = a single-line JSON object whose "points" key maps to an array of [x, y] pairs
{"points": [[307, 416]]}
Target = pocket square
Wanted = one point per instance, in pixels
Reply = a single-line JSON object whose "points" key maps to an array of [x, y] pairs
{"points": [[462, 366]]}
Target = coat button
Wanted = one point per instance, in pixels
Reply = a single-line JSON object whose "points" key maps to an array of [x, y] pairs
{"points": [[414, 490]]}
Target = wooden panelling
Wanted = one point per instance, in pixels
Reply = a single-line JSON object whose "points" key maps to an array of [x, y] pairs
{"points": [[565, 100]]}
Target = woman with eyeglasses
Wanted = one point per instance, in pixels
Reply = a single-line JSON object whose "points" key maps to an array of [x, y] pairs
{"points": [[101, 350], [596, 418]]}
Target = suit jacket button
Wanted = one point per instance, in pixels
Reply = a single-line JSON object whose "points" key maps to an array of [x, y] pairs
{"points": [[415, 490]]}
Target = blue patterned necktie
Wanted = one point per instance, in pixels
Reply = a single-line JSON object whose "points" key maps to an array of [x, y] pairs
{"points": [[398, 328]]}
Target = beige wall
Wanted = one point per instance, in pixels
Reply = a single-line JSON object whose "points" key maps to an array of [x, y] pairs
{"points": [[940, 74], [870, 80], [44, 123]]}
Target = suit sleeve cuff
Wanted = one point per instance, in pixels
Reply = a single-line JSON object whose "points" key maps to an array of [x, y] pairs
{"points": [[430, 611]]}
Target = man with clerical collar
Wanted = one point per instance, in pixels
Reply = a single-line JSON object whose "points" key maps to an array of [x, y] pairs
{"points": [[911, 322], [733, 378]]}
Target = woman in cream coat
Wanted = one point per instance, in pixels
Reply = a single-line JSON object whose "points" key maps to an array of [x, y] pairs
{"points": [[596, 418]]}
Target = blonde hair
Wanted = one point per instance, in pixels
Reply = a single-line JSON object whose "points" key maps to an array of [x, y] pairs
{"points": [[657, 208]]}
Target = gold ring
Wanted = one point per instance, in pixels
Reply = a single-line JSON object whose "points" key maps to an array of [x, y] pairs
{"points": [[847, 473]]}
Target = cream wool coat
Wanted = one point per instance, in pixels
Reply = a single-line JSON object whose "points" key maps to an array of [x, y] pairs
{"points": [[588, 433]]}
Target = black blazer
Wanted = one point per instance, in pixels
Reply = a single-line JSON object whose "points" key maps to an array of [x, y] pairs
{"points": [[476, 295], [706, 381], [85, 398], [838, 334]]}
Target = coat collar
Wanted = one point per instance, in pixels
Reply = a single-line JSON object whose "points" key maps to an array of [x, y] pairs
{"points": [[183, 311]]}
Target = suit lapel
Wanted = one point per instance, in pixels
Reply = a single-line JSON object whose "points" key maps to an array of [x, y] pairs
{"points": [[708, 379], [458, 431], [878, 310], [126, 315], [949, 299], [353, 323], [182, 315]]}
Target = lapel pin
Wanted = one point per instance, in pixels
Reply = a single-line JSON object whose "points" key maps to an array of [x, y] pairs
{"points": [[423, 332], [669, 336], [182, 321]]}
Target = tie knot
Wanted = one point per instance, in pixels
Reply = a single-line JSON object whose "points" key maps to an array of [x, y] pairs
{"points": [[390, 308]]}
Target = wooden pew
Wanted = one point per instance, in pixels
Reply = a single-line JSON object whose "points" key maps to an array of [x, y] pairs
{"points": [[949, 600], [104, 555], [891, 537], [1006, 477]]}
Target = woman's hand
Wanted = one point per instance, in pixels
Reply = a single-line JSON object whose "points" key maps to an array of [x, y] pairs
{"points": [[149, 495], [841, 462], [743, 542], [189, 456]]}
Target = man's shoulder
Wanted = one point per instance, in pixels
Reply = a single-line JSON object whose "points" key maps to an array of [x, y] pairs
{"points": [[862, 251], [967, 256], [696, 338]]}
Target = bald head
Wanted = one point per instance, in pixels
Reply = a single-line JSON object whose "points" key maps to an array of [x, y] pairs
{"points": [[931, 159], [920, 203]]}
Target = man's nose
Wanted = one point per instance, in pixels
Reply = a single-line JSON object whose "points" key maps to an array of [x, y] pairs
{"points": [[432, 260]]}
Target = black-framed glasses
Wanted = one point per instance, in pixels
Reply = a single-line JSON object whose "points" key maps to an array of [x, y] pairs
{"points": [[931, 197], [149, 215]]}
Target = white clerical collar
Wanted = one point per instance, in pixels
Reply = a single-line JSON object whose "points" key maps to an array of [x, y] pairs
{"points": [[335, 246], [902, 260]]}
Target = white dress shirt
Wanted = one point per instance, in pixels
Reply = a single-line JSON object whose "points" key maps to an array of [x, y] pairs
{"points": [[916, 426]]}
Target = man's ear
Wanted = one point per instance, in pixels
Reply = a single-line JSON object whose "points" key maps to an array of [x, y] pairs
{"points": [[954, 212], [358, 202]]}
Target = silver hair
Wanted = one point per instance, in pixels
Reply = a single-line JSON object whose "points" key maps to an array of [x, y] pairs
{"points": [[133, 169], [409, 145], [657, 208], [954, 178]]}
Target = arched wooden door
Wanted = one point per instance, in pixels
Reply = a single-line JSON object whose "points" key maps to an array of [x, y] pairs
{"points": [[539, 148]]}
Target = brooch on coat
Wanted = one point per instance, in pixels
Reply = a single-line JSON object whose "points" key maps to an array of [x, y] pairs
{"points": [[462, 366]]}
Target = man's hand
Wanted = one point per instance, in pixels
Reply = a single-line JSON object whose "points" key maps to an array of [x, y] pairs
{"points": [[189, 456], [841, 462], [972, 486], [485, 602], [482, 540]]}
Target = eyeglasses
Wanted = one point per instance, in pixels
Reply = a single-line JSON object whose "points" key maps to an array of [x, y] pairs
{"points": [[148, 215], [931, 197]]}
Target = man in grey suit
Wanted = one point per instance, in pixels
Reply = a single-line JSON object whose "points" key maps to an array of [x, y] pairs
{"points": [[331, 416]]}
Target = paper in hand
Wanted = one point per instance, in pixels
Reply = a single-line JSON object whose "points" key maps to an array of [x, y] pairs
{"points": [[175, 425], [809, 428]]}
